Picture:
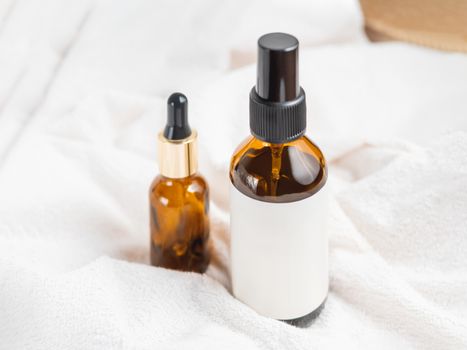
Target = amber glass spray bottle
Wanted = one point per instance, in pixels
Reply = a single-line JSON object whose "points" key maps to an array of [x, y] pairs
{"points": [[179, 197], [278, 203]]}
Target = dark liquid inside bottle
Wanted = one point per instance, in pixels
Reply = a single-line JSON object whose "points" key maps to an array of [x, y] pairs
{"points": [[180, 223], [278, 173]]}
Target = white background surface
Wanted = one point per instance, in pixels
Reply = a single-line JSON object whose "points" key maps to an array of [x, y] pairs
{"points": [[82, 96]]}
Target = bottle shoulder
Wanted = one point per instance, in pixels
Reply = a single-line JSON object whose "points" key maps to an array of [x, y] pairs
{"points": [[194, 179], [173, 189], [278, 172]]}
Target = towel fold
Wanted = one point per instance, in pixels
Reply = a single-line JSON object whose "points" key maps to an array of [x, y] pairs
{"points": [[81, 101]]}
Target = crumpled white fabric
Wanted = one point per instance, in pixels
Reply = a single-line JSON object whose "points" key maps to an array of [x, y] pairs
{"points": [[82, 97]]}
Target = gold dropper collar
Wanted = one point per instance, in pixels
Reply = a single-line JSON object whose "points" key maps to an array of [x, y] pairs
{"points": [[178, 158]]}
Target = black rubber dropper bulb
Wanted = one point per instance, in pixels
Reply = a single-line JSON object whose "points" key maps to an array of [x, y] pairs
{"points": [[177, 126]]}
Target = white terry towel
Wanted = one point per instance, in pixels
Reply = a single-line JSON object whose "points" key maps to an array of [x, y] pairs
{"points": [[76, 189], [397, 261], [78, 152]]}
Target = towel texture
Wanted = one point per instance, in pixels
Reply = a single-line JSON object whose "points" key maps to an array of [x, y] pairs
{"points": [[82, 97]]}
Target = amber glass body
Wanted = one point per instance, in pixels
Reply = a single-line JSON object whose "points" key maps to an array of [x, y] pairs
{"points": [[180, 223], [278, 173]]}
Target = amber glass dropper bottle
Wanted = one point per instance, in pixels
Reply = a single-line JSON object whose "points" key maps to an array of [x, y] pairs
{"points": [[179, 197], [278, 202]]}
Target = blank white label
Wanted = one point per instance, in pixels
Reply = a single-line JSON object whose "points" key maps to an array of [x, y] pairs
{"points": [[279, 254]]}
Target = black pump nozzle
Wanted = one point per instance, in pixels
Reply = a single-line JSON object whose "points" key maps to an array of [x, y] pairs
{"points": [[177, 126], [277, 103], [277, 76]]}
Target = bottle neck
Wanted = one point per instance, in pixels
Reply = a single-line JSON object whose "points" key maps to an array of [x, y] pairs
{"points": [[178, 158]]}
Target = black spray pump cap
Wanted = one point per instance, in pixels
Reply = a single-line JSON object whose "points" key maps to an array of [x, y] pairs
{"points": [[277, 76], [177, 126], [277, 103]]}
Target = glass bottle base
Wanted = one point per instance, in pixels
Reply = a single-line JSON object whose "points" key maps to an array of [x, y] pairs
{"points": [[195, 259], [308, 319]]}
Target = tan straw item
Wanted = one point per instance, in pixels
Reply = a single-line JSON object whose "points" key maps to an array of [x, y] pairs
{"points": [[441, 24]]}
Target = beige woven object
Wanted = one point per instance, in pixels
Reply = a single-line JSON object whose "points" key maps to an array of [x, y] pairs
{"points": [[441, 24]]}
